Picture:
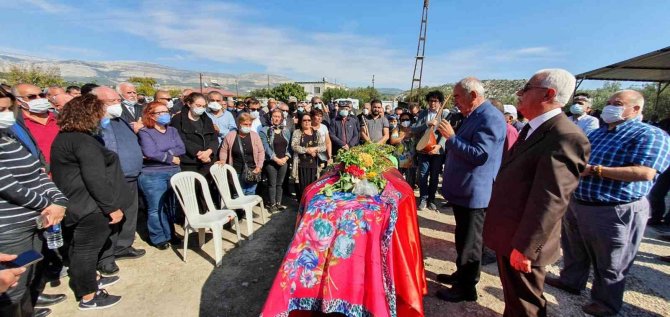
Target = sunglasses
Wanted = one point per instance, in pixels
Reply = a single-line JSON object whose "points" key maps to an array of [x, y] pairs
{"points": [[528, 87], [34, 96]]}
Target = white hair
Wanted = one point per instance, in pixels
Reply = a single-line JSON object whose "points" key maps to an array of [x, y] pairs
{"points": [[559, 79], [636, 97], [125, 83], [470, 84]]}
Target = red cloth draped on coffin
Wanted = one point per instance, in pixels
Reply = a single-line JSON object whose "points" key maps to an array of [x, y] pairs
{"points": [[353, 255]]}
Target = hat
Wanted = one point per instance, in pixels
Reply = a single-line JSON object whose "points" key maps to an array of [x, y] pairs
{"points": [[509, 109], [292, 99]]}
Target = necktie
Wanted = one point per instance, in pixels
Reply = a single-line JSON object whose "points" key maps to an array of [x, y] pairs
{"points": [[523, 134]]}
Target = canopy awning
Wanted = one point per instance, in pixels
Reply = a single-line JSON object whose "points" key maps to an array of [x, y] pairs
{"points": [[650, 67]]}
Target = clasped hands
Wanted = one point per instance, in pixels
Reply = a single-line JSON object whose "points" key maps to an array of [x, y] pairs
{"points": [[204, 156]]}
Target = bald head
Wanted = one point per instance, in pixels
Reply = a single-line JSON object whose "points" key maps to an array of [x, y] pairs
{"points": [[60, 100], [107, 95], [628, 97]]}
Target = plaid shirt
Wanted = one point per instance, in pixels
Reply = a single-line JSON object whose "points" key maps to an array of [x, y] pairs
{"points": [[629, 143]]}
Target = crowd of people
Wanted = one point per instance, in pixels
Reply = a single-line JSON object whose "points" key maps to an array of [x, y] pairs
{"points": [[91, 158]]}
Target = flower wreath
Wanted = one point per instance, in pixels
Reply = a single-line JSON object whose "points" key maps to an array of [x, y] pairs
{"points": [[361, 169]]}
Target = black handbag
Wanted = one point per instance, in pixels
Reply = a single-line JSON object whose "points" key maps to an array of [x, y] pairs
{"points": [[247, 174]]}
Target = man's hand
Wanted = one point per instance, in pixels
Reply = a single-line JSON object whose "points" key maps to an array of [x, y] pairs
{"points": [[431, 123], [9, 277], [176, 160], [52, 215], [435, 150], [519, 261], [257, 170], [137, 125], [586, 171], [445, 129], [346, 146], [116, 216]]}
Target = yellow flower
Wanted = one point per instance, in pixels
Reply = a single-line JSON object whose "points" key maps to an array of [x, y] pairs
{"points": [[371, 175], [366, 159]]}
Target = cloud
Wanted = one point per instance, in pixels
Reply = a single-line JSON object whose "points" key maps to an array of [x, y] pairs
{"points": [[59, 50], [48, 6]]}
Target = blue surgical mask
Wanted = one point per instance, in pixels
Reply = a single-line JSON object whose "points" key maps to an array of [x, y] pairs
{"points": [[577, 109], [104, 122], [344, 113], [163, 119]]}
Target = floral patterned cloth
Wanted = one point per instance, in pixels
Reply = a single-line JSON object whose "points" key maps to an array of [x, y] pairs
{"points": [[340, 259]]}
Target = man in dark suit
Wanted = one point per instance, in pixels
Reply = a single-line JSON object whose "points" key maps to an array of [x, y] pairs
{"points": [[532, 191], [344, 132], [131, 110], [473, 159]]}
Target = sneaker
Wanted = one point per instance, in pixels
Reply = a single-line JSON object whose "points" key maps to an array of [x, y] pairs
{"points": [[101, 300], [281, 207], [423, 204], [432, 206], [272, 209], [108, 269], [103, 282]]}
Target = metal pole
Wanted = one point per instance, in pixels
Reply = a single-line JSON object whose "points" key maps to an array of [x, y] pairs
{"points": [[200, 82], [373, 81]]}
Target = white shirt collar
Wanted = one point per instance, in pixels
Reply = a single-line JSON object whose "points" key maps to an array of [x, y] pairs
{"points": [[539, 120]]}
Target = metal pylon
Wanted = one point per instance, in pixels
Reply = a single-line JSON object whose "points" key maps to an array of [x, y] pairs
{"points": [[420, 49]]}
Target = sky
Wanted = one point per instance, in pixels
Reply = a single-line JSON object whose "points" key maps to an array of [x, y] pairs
{"points": [[346, 41]]}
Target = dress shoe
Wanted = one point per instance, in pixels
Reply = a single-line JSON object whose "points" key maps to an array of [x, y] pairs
{"points": [[557, 283], [41, 312], [450, 279], [47, 300], [108, 269], [163, 246], [664, 258], [457, 294], [597, 309], [130, 253]]}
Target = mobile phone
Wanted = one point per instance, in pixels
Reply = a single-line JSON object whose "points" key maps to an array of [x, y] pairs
{"points": [[24, 259]]}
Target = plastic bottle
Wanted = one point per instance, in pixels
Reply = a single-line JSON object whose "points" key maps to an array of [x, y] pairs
{"points": [[54, 237]]}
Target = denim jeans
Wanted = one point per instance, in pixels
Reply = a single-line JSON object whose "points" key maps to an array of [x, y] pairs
{"points": [[160, 205], [276, 176], [247, 188], [430, 166]]}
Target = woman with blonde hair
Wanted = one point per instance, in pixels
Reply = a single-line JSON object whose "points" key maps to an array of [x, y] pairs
{"points": [[243, 150]]}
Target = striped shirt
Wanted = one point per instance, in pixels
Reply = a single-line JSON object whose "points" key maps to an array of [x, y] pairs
{"points": [[25, 190], [628, 144]]}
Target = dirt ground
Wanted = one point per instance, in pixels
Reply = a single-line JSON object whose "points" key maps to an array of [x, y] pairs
{"points": [[161, 284]]}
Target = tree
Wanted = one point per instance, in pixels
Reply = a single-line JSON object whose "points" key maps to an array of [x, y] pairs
{"points": [[365, 94], [36, 75], [261, 93], [144, 85], [285, 90], [334, 93]]}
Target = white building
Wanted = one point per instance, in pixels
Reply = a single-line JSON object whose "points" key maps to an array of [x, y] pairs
{"points": [[316, 88]]}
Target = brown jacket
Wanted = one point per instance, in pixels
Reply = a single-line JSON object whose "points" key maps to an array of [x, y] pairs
{"points": [[226, 151], [532, 191]]}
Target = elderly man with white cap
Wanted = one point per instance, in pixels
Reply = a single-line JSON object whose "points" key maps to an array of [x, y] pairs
{"points": [[512, 117]]}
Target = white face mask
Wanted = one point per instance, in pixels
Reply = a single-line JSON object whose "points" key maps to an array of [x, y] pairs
{"points": [[114, 110], [170, 104], [40, 105], [366, 112], [405, 123], [7, 119], [254, 114], [128, 103], [197, 111], [215, 106], [344, 113], [612, 114], [577, 109], [245, 130]]}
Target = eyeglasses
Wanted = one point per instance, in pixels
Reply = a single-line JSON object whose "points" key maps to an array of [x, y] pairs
{"points": [[528, 87], [433, 100], [34, 96]]}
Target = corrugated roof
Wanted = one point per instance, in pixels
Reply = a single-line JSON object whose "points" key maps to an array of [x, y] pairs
{"points": [[652, 67]]}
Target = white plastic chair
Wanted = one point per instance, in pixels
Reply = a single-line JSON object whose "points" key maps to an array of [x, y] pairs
{"points": [[246, 202], [184, 186]]}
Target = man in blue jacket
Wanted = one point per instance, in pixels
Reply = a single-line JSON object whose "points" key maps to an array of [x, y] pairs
{"points": [[120, 138], [344, 132], [474, 154]]}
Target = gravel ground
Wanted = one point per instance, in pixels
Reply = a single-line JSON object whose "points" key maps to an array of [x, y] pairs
{"points": [[161, 284]]}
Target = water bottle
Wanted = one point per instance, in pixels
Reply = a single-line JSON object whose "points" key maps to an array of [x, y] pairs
{"points": [[54, 237]]}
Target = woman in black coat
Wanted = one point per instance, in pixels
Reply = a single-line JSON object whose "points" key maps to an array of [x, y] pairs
{"points": [[91, 176], [198, 134]]}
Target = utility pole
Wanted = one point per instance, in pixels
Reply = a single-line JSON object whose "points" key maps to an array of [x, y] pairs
{"points": [[268, 81], [237, 89], [420, 49], [200, 82], [373, 81]]}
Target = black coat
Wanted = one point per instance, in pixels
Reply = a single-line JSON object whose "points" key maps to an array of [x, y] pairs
{"points": [[196, 140], [88, 174]]}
